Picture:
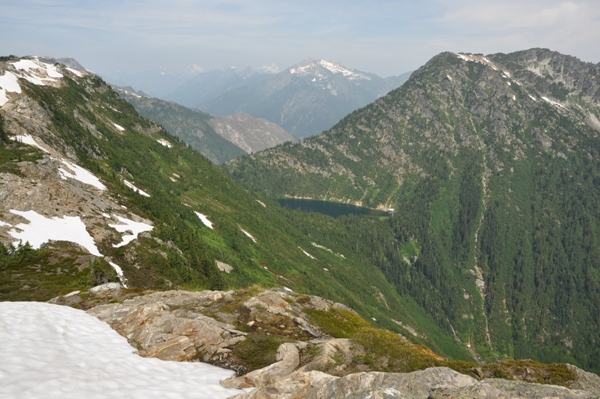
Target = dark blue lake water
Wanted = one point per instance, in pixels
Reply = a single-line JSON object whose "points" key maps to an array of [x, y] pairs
{"points": [[333, 209]]}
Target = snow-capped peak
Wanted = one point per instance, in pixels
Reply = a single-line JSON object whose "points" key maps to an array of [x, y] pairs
{"points": [[321, 68], [339, 68]]}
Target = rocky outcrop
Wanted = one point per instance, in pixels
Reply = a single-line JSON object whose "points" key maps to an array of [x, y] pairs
{"points": [[432, 383], [288, 360], [169, 326], [248, 133]]}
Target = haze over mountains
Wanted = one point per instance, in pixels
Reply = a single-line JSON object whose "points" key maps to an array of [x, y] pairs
{"points": [[305, 99]]}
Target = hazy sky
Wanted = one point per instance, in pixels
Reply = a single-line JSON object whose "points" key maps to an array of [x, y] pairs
{"points": [[383, 37]]}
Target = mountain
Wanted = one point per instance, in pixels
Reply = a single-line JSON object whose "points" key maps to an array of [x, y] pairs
{"points": [[306, 98], [210, 84], [220, 139], [491, 164], [91, 193]]}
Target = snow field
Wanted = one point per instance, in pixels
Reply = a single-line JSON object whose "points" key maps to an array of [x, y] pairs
{"points": [[248, 234], [129, 225], [41, 229], [205, 220], [29, 140], [81, 174], [51, 351], [119, 127], [8, 84], [165, 143], [134, 188], [307, 254]]}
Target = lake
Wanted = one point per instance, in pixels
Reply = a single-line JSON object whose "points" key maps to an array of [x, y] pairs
{"points": [[333, 209]]}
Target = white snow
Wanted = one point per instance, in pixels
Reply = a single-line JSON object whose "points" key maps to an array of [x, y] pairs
{"points": [[307, 254], [29, 140], [448, 76], [81, 174], [532, 97], [53, 351], [26, 65], [2, 224], [205, 220], [8, 84], [75, 72], [118, 270], [287, 289], [262, 203], [337, 68], [248, 234], [134, 188], [41, 229], [119, 127], [52, 71], [508, 83], [552, 102], [515, 98], [165, 143], [129, 225]]}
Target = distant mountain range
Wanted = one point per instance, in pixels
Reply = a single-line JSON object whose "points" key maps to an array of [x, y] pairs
{"points": [[305, 99], [220, 139]]}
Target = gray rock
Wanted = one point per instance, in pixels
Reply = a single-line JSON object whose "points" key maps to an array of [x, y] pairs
{"points": [[498, 388]]}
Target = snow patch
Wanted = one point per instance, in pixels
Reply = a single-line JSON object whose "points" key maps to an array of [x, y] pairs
{"points": [[129, 225], [119, 127], [248, 234], [307, 254], [205, 220], [448, 76], [338, 68], [555, 103], [515, 98], [75, 72], [29, 140], [287, 289], [81, 174], [4, 224], [165, 143], [262, 203], [9, 83], [134, 188], [532, 97], [41, 229], [54, 350]]}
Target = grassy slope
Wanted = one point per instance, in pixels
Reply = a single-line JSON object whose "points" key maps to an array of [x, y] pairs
{"points": [[274, 260]]}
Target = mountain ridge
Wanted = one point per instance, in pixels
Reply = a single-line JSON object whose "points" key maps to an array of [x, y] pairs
{"points": [[489, 163]]}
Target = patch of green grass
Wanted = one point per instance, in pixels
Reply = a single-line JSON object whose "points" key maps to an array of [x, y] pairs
{"points": [[258, 350]]}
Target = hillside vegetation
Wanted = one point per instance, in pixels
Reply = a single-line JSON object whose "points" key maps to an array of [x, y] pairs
{"points": [[491, 166]]}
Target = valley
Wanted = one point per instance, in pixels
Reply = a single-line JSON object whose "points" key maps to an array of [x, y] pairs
{"points": [[484, 170]]}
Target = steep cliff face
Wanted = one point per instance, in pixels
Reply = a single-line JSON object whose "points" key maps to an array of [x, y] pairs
{"points": [[491, 165]]}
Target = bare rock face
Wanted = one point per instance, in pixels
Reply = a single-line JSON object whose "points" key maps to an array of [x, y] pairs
{"points": [[169, 326], [585, 381], [250, 134], [499, 388], [288, 360]]}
